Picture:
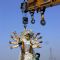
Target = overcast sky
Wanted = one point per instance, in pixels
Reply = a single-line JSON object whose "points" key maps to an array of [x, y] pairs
{"points": [[11, 20]]}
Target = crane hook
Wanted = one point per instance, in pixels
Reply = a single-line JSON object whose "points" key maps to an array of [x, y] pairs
{"points": [[42, 16], [42, 22], [32, 16], [32, 21], [42, 19]]}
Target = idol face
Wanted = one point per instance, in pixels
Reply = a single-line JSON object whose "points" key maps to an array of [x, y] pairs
{"points": [[27, 36]]}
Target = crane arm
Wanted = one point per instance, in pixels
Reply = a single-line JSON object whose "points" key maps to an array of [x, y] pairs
{"points": [[37, 4]]}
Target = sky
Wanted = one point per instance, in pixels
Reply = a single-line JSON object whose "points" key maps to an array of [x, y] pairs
{"points": [[11, 20]]}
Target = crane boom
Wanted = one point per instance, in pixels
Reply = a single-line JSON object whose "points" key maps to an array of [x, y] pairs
{"points": [[37, 4]]}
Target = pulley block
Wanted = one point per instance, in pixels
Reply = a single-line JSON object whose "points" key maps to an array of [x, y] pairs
{"points": [[25, 20]]}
